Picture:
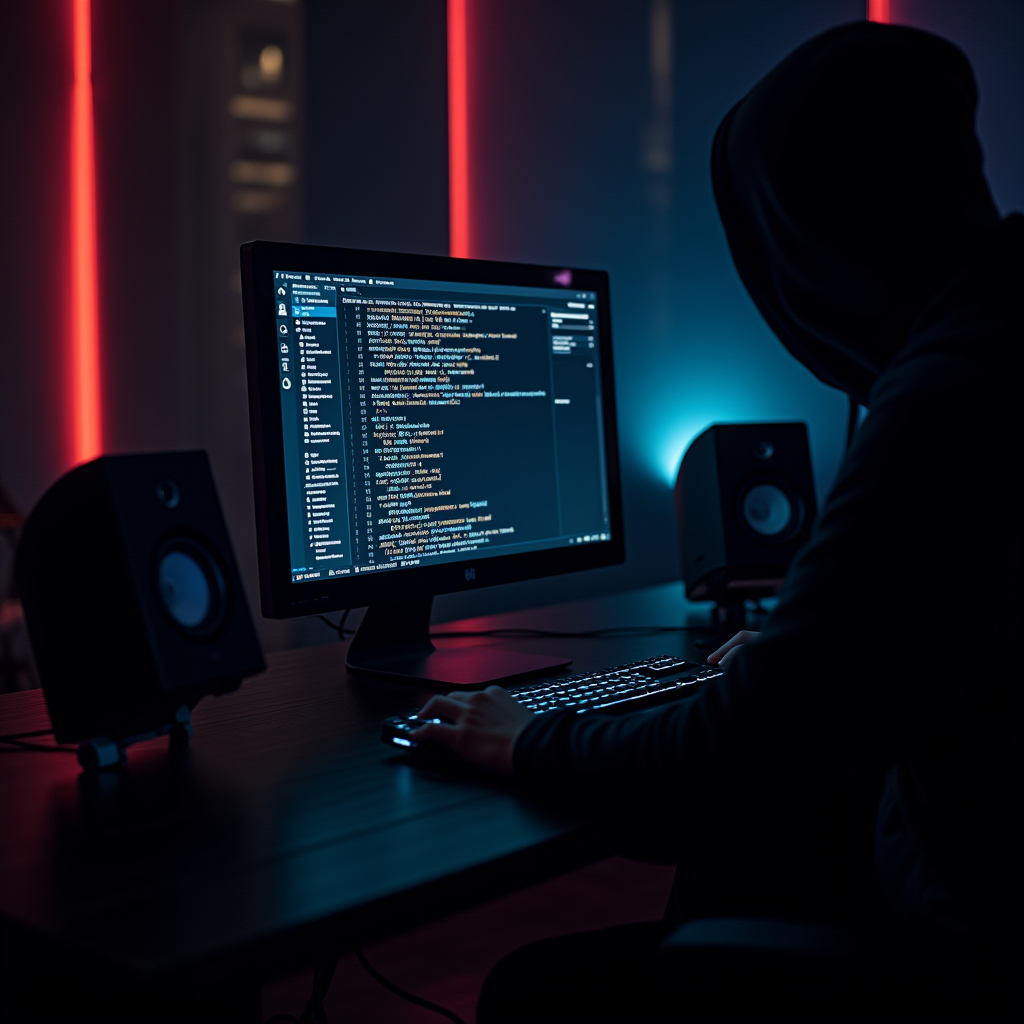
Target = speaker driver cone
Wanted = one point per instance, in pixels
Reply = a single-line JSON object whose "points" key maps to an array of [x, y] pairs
{"points": [[184, 589], [191, 587], [767, 510]]}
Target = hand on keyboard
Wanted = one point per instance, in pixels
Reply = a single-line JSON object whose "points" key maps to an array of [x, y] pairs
{"points": [[728, 650], [482, 726]]}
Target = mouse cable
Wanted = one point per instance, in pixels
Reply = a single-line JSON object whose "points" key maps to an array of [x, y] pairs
{"points": [[426, 1004]]}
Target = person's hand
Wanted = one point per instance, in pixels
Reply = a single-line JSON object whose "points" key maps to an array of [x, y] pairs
{"points": [[481, 726], [726, 651]]}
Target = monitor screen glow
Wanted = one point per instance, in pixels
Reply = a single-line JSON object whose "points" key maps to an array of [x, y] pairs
{"points": [[449, 422]]}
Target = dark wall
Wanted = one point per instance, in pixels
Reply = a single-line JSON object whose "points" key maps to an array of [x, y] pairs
{"points": [[35, 259], [147, 370], [144, 398], [992, 36], [377, 116]]}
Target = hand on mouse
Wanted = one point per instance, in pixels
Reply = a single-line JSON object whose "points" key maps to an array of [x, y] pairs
{"points": [[727, 650], [481, 726]]}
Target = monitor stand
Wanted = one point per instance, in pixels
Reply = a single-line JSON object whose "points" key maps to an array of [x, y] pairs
{"points": [[393, 641]]}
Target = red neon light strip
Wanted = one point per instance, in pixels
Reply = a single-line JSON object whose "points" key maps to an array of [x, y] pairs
{"points": [[458, 131], [879, 10], [85, 355]]}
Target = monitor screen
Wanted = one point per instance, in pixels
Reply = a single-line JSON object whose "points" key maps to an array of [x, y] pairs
{"points": [[427, 418]]}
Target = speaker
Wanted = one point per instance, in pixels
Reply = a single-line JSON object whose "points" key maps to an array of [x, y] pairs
{"points": [[744, 506], [133, 602]]}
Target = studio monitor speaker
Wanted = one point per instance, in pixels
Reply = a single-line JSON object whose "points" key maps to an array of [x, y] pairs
{"points": [[133, 600], [744, 506]]}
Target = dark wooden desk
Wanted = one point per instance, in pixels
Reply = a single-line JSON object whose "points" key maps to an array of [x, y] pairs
{"points": [[286, 828]]}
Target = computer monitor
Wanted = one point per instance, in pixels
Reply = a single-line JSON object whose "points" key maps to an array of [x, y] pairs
{"points": [[424, 425]]}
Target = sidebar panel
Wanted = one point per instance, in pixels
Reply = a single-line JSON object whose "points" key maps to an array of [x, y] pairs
{"points": [[312, 377]]}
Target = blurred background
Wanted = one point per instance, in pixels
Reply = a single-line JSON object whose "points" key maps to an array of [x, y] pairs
{"points": [[326, 121]]}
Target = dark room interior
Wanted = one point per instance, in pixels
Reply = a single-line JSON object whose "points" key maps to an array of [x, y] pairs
{"points": [[280, 863]]}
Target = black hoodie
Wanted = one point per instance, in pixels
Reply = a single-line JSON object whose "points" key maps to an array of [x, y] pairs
{"points": [[875, 720]]}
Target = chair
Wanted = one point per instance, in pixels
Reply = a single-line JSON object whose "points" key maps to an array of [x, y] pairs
{"points": [[756, 969]]}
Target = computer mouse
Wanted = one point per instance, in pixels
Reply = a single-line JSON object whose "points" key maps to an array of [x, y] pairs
{"points": [[395, 731]]}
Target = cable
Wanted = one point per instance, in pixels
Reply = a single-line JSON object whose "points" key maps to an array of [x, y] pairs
{"points": [[20, 744], [426, 1004], [18, 740], [323, 975], [340, 627]]}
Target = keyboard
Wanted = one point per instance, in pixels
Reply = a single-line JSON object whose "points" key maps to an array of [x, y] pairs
{"points": [[618, 690]]}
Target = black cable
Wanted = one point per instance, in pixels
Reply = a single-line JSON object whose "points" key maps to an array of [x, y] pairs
{"points": [[18, 740], [26, 735], [340, 627], [19, 744], [426, 1004], [323, 975]]}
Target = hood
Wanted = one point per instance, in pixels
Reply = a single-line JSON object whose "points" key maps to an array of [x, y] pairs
{"points": [[850, 185]]}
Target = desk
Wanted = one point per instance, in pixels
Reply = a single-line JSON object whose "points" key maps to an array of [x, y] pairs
{"points": [[285, 829]]}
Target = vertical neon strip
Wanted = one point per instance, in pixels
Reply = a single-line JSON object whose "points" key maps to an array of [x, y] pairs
{"points": [[458, 131], [85, 355], [878, 10]]}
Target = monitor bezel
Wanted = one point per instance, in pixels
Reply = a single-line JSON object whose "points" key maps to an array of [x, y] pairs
{"points": [[280, 597]]}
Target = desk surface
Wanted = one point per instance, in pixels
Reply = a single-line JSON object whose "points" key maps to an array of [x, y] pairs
{"points": [[287, 823]]}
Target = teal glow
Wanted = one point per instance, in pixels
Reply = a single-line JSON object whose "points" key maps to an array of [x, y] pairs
{"points": [[700, 385], [677, 437]]}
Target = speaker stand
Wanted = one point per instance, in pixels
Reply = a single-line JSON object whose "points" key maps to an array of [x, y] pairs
{"points": [[393, 642], [101, 752]]}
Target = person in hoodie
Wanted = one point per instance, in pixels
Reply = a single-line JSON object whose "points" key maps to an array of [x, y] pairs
{"points": [[858, 763]]}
